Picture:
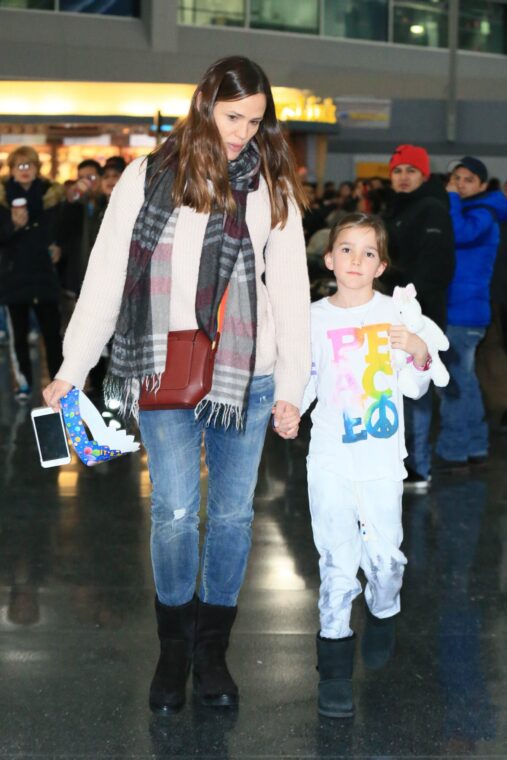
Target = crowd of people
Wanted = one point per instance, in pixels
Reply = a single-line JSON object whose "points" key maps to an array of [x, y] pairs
{"points": [[216, 228]]}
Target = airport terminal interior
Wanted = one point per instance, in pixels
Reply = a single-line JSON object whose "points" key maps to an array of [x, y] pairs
{"points": [[352, 79]]}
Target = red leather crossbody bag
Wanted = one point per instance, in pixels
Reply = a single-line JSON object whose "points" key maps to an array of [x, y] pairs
{"points": [[188, 373]]}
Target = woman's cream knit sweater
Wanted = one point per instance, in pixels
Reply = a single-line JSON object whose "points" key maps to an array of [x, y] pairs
{"points": [[283, 303]]}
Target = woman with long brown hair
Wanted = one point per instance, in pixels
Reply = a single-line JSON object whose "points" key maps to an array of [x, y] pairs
{"points": [[211, 220]]}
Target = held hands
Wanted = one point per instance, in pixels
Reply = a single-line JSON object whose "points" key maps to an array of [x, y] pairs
{"points": [[401, 338], [54, 392], [286, 419]]}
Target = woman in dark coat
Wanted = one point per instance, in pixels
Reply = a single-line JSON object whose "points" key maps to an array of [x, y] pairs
{"points": [[28, 279]]}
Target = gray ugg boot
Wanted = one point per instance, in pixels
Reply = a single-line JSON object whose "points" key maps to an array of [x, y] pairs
{"points": [[335, 659], [377, 644]]}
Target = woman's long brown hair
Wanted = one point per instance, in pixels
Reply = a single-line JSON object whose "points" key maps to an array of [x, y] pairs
{"points": [[197, 149]]}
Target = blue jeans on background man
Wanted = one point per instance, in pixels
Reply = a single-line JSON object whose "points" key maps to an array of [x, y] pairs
{"points": [[463, 427], [418, 415], [173, 441]]}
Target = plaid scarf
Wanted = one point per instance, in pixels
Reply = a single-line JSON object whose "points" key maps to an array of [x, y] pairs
{"points": [[227, 261]]}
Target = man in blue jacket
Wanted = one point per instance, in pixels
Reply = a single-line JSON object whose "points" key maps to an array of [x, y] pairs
{"points": [[476, 215]]}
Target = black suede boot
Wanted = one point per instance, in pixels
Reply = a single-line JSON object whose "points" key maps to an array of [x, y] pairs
{"points": [[176, 629], [377, 645], [213, 683], [335, 659]]}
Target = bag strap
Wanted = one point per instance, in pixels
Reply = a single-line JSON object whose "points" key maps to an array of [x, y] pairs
{"points": [[150, 164]]}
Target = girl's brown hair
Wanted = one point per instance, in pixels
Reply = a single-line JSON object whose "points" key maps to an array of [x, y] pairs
{"points": [[200, 155]]}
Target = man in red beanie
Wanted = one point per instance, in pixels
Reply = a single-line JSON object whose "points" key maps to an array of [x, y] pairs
{"points": [[421, 246], [411, 163]]}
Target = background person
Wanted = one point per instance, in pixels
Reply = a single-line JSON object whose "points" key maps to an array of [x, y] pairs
{"points": [[476, 214], [81, 217], [111, 173], [421, 247], [28, 279], [218, 211], [499, 298]]}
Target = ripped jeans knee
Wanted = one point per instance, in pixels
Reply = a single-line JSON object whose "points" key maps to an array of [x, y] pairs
{"points": [[175, 553]]}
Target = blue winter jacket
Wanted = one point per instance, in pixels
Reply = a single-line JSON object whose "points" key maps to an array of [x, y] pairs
{"points": [[476, 234]]}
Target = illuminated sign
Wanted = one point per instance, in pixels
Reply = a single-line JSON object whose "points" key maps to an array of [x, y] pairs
{"points": [[140, 99], [372, 113], [302, 105]]}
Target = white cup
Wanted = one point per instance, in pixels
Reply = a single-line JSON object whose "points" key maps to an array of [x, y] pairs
{"points": [[19, 203]]}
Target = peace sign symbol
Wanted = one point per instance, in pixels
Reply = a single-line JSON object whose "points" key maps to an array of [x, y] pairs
{"points": [[381, 419]]}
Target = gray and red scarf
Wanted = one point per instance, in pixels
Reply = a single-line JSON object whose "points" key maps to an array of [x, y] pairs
{"points": [[227, 260]]}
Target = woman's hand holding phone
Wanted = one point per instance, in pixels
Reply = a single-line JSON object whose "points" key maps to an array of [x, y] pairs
{"points": [[53, 392]]}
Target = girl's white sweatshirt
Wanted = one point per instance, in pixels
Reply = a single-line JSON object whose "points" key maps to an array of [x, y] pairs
{"points": [[358, 428]]}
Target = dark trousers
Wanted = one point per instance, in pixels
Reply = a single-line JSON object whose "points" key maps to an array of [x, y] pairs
{"points": [[48, 317], [502, 309]]}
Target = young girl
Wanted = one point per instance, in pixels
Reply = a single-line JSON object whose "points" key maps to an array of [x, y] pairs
{"points": [[355, 463]]}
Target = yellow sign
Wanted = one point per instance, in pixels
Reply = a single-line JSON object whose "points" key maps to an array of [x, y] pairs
{"points": [[368, 169], [139, 99], [369, 113], [302, 105]]}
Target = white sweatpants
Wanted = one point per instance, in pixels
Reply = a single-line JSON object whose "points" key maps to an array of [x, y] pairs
{"points": [[355, 524]]}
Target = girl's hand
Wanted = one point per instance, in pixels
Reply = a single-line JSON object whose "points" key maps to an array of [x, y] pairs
{"points": [[286, 419], [402, 338], [54, 392]]}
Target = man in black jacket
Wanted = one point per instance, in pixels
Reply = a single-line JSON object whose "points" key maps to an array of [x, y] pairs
{"points": [[80, 221], [421, 246]]}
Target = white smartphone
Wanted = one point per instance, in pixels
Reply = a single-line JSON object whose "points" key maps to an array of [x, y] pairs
{"points": [[50, 436]]}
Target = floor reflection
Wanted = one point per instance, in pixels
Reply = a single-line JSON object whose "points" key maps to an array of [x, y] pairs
{"points": [[468, 714], [78, 644]]}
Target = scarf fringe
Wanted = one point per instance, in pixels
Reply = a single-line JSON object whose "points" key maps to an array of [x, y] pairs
{"points": [[220, 413], [152, 382], [125, 391]]}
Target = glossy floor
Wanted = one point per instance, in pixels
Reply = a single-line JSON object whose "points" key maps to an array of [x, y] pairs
{"points": [[77, 634]]}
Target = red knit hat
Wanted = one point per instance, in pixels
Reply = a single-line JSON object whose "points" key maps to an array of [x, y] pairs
{"points": [[413, 155]]}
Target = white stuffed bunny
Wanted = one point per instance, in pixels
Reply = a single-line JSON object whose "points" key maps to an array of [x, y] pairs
{"points": [[409, 311]]}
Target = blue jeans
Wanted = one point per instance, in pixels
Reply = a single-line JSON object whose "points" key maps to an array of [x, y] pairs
{"points": [[417, 432], [173, 441], [463, 427]]}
